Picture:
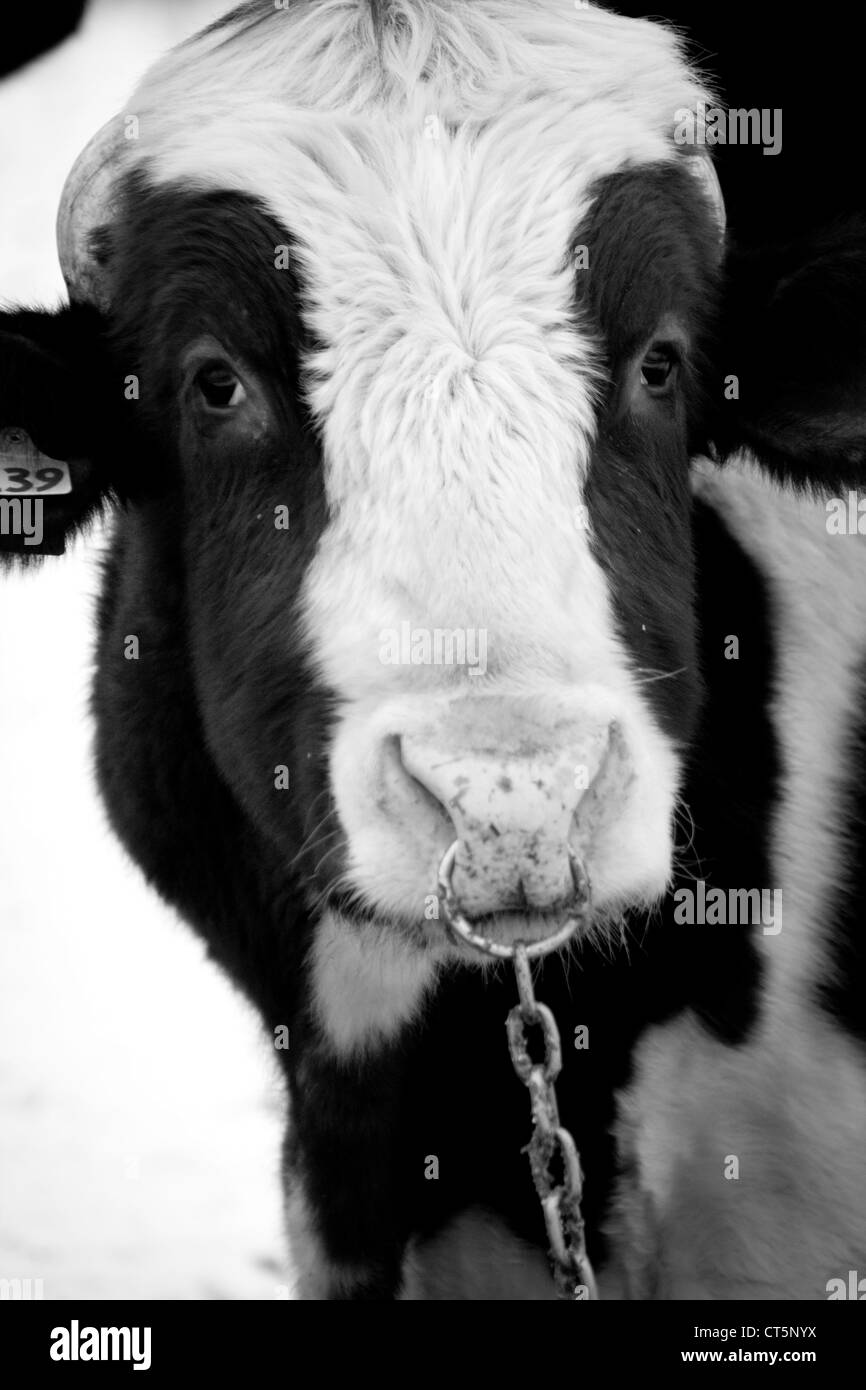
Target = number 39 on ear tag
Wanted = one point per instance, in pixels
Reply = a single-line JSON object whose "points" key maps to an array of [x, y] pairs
{"points": [[24, 472]]}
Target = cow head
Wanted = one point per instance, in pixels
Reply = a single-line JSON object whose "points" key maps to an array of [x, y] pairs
{"points": [[411, 319]]}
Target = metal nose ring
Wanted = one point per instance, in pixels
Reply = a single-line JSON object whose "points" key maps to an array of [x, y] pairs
{"points": [[462, 933]]}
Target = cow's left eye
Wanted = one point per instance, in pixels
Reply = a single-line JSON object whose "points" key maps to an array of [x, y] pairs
{"points": [[658, 371], [220, 388]]}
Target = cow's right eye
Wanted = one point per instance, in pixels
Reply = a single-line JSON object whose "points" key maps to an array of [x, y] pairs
{"points": [[220, 388], [658, 370]]}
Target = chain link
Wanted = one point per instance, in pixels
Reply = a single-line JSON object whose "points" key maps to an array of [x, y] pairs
{"points": [[560, 1201]]}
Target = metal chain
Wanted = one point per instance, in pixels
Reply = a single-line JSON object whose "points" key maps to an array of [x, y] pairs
{"points": [[560, 1201]]}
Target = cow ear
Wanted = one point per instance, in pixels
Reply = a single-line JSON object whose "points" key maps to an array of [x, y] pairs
{"points": [[58, 427], [791, 372]]}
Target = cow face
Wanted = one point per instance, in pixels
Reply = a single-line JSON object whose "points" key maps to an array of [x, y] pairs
{"points": [[528, 505], [450, 336], [419, 318]]}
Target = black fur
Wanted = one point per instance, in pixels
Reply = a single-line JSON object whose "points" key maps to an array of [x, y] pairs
{"points": [[794, 336], [653, 253], [56, 382]]}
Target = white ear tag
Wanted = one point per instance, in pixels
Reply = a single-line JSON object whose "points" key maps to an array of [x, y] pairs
{"points": [[25, 472]]}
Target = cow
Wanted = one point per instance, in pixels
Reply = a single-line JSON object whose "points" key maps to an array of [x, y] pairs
{"points": [[475, 502]]}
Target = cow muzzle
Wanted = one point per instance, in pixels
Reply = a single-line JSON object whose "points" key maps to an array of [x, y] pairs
{"points": [[514, 794]]}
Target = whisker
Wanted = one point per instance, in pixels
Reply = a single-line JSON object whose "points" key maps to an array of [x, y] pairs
{"points": [[309, 838], [661, 675]]}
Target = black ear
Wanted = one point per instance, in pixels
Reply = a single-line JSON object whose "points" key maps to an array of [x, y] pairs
{"points": [[60, 419], [791, 369]]}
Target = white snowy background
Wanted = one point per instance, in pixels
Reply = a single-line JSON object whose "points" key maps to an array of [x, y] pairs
{"points": [[139, 1104]]}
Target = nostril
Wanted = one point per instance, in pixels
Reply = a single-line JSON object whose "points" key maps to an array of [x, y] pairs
{"points": [[408, 791], [603, 796]]}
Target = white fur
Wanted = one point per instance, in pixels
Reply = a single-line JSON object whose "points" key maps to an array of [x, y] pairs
{"points": [[368, 983], [791, 1103]]}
